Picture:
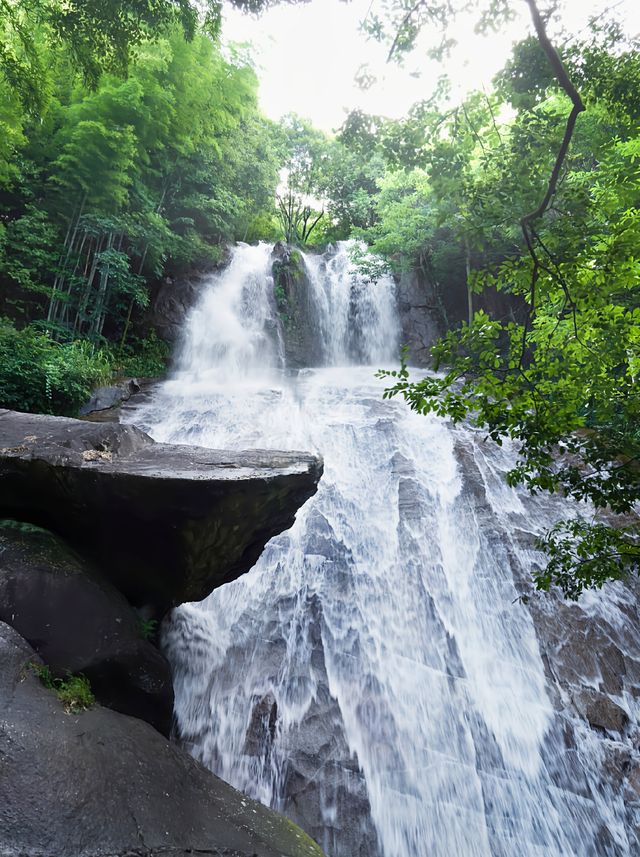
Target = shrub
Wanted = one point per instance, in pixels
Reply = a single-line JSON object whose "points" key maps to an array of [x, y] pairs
{"points": [[148, 628], [40, 375], [143, 358]]}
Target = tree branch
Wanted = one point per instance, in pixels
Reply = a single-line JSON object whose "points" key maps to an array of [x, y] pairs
{"points": [[565, 83]]}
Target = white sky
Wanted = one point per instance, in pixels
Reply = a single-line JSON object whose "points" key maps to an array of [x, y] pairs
{"points": [[307, 57]]}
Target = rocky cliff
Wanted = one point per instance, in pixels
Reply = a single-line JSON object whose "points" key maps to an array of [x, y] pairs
{"points": [[99, 784], [101, 532], [167, 524]]}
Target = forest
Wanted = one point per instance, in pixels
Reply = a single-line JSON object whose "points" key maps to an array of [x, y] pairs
{"points": [[133, 151]]}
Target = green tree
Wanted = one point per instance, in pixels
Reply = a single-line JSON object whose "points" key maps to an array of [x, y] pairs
{"points": [[299, 199], [564, 382], [98, 36]]}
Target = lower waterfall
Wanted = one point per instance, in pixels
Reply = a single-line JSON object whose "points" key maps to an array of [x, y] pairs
{"points": [[377, 675]]}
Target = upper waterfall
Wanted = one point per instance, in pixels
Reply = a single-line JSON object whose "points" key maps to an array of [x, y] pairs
{"points": [[356, 319], [232, 333], [235, 333]]}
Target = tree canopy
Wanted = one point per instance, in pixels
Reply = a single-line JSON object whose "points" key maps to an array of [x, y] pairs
{"points": [[132, 151], [544, 206]]}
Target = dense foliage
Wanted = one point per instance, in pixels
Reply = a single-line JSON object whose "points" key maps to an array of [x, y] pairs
{"points": [[559, 372], [40, 375], [140, 176], [110, 184], [132, 151]]}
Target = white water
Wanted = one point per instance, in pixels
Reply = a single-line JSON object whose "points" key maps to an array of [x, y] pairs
{"points": [[392, 602], [357, 322]]}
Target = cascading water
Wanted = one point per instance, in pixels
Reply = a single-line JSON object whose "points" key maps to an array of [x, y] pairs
{"points": [[375, 676], [356, 323]]}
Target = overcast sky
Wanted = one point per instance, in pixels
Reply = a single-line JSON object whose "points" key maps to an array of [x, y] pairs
{"points": [[308, 56]]}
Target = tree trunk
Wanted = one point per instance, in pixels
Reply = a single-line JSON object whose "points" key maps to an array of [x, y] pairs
{"points": [[84, 303], [67, 248], [467, 265]]}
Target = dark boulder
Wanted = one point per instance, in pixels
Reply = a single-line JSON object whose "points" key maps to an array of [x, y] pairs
{"points": [[78, 623], [429, 308], [100, 784], [421, 317], [109, 398], [165, 524], [292, 293], [176, 298]]}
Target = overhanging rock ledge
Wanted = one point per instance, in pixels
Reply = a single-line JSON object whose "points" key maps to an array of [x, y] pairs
{"points": [[166, 523]]}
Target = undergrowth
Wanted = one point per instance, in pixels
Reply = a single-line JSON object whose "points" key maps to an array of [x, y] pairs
{"points": [[74, 691]]}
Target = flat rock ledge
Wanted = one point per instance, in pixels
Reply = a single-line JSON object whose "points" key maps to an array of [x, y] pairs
{"points": [[165, 523], [101, 784]]}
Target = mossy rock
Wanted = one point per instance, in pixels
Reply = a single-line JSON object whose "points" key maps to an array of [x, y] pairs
{"points": [[80, 624]]}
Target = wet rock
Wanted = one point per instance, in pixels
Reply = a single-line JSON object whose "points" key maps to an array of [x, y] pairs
{"points": [[292, 294], [262, 728], [564, 767], [107, 398], [335, 811], [474, 484], [421, 316], [601, 711], [165, 524], [633, 781], [78, 623], [99, 784], [581, 649]]}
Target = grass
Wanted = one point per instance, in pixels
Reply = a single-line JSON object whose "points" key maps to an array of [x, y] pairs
{"points": [[74, 691]]}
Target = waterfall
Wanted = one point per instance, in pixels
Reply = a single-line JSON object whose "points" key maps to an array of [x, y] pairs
{"points": [[230, 334], [376, 676], [356, 320]]}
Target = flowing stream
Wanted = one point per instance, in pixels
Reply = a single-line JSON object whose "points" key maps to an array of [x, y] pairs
{"points": [[375, 676]]}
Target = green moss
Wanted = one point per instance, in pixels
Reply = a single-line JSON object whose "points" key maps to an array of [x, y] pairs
{"points": [[295, 262], [35, 541], [24, 528], [280, 296]]}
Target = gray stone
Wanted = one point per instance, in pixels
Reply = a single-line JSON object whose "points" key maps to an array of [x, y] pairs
{"points": [[600, 711], [429, 308], [100, 784], [166, 524], [106, 398], [78, 623], [292, 293], [421, 316]]}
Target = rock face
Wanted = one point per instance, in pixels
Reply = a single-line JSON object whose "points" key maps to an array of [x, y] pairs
{"points": [[99, 784], [427, 310], [167, 524], [78, 623], [420, 316], [173, 302], [292, 295]]}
